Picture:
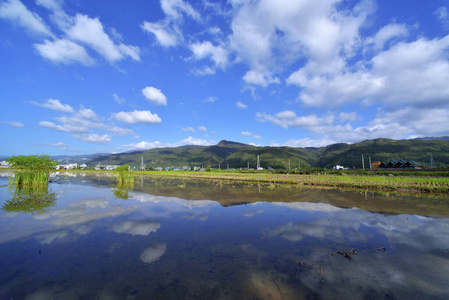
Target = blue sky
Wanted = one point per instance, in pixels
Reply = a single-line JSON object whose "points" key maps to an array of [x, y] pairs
{"points": [[82, 77]]}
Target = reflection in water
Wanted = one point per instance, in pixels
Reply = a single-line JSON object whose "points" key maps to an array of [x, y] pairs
{"points": [[122, 189], [229, 241], [153, 253], [34, 199]]}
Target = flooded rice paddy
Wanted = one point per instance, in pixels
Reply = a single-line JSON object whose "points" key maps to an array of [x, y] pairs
{"points": [[87, 238]]}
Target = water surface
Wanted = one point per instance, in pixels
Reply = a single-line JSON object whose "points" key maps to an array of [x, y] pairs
{"points": [[182, 239]]}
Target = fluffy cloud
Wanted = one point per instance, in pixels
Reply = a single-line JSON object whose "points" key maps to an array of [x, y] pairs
{"points": [[77, 29], [137, 116], [91, 32], [217, 54], [64, 51], [154, 95], [188, 129], [202, 128], [118, 99]]}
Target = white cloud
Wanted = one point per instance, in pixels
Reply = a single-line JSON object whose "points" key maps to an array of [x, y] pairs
{"points": [[55, 104], [387, 33], [287, 119], [118, 99], [260, 78], [93, 138], [188, 141], [307, 142], [349, 117], [154, 95], [218, 54], [188, 129], [202, 128], [249, 134], [241, 105], [211, 100], [163, 34], [91, 32], [13, 123], [443, 16], [174, 9], [137, 116], [64, 51], [16, 12]]}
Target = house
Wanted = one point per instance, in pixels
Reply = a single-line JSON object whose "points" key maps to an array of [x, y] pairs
{"points": [[375, 165], [338, 167], [158, 169]]}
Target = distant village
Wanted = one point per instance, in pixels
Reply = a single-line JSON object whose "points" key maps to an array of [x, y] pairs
{"points": [[392, 164]]}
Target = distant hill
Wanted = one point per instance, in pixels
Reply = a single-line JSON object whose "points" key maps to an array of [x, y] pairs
{"points": [[237, 155]]}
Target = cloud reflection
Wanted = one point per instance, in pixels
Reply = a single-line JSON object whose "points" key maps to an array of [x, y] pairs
{"points": [[153, 253], [136, 227]]}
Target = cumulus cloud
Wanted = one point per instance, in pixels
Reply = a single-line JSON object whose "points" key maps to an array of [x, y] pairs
{"points": [[137, 116], [202, 128], [206, 49], [154, 95]]}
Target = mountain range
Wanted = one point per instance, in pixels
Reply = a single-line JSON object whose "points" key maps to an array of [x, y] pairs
{"points": [[237, 155]]}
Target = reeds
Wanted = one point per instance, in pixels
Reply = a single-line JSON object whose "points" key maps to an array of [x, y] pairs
{"points": [[122, 174], [31, 170]]}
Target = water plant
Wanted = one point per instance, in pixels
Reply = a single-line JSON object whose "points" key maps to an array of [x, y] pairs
{"points": [[122, 174], [31, 169]]}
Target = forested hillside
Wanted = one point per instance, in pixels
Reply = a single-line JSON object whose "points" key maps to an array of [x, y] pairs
{"points": [[237, 155]]}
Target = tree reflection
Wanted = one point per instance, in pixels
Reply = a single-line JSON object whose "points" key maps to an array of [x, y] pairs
{"points": [[34, 199], [122, 189]]}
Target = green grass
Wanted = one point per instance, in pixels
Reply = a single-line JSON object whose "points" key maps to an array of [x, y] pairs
{"points": [[373, 182]]}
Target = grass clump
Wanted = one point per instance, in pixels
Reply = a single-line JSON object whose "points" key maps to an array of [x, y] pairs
{"points": [[31, 169], [122, 174]]}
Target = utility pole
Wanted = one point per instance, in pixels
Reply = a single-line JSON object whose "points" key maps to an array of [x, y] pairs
{"points": [[299, 164], [432, 163], [289, 164], [248, 164], [228, 166], [258, 163], [363, 163], [142, 167], [219, 166], [369, 162]]}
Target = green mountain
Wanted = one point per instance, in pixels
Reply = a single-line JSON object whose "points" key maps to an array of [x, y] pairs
{"points": [[237, 155]]}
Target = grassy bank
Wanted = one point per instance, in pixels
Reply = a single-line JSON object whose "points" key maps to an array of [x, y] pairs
{"points": [[422, 184]]}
